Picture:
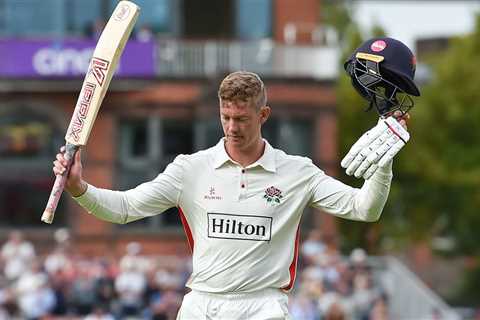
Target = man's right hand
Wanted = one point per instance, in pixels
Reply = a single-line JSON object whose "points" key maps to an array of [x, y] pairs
{"points": [[75, 185]]}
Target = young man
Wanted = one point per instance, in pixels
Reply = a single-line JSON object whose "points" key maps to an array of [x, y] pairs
{"points": [[241, 202]]}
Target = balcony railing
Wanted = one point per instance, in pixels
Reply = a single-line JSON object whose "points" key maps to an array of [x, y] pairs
{"points": [[206, 58]]}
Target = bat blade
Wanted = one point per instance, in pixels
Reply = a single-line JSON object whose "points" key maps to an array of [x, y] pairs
{"points": [[102, 66]]}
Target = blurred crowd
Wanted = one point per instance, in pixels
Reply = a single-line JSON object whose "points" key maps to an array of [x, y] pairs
{"points": [[330, 286], [66, 284]]}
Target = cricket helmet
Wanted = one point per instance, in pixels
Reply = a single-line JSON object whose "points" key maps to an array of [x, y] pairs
{"points": [[382, 71]]}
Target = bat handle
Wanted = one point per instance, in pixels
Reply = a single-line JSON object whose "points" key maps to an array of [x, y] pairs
{"points": [[59, 185]]}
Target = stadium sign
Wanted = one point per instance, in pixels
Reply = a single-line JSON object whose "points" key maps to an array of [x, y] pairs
{"points": [[69, 58]]}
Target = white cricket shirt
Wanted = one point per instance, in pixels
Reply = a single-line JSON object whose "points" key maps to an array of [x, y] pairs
{"points": [[242, 224]]}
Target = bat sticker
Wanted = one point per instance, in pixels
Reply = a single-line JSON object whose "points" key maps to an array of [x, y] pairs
{"points": [[98, 69], [82, 110], [122, 13]]}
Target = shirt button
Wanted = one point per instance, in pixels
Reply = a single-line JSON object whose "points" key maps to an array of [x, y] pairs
{"points": [[243, 170], [243, 186]]}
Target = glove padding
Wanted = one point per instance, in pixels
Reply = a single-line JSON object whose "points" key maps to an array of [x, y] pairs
{"points": [[375, 148]]}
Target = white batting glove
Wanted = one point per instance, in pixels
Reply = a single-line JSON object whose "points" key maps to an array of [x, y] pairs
{"points": [[357, 151], [366, 155]]}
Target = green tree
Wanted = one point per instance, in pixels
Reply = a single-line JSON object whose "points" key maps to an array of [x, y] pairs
{"points": [[443, 160], [352, 115], [436, 176], [436, 189]]}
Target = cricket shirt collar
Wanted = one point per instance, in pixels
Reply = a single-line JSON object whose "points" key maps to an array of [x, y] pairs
{"points": [[266, 161]]}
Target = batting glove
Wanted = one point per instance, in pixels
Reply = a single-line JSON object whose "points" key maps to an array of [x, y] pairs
{"points": [[376, 148]]}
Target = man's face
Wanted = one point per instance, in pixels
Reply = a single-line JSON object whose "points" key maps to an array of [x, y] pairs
{"points": [[242, 123]]}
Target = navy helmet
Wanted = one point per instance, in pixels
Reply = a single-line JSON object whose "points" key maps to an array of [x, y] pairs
{"points": [[382, 71]]}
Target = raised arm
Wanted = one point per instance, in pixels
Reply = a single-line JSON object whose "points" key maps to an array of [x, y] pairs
{"points": [[339, 199], [147, 199]]}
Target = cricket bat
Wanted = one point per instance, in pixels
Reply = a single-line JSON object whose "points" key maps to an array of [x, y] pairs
{"points": [[102, 66]]}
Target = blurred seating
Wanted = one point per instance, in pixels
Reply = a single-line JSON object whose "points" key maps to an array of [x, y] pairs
{"points": [[66, 284]]}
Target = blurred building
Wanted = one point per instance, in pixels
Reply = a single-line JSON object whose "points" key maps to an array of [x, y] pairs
{"points": [[161, 102]]}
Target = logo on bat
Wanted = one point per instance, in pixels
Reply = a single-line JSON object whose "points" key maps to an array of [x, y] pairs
{"points": [[98, 68], [122, 12], [81, 110]]}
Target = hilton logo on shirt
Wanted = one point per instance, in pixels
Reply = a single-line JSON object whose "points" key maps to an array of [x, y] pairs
{"points": [[239, 227]]}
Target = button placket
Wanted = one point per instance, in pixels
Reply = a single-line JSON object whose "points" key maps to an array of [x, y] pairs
{"points": [[243, 183]]}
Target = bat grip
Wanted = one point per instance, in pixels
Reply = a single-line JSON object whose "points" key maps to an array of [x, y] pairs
{"points": [[59, 185]]}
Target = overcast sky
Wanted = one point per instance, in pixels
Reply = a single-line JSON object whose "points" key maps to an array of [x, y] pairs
{"points": [[410, 20]]}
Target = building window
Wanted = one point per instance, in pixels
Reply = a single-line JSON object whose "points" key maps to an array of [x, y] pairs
{"points": [[207, 132], [33, 17], [83, 16], [29, 140], [253, 19], [294, 136], [208, 19], [158, 16], [147, 146]]}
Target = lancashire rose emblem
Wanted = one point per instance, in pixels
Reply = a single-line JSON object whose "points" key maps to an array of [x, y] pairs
{"points": [[273, 195]]}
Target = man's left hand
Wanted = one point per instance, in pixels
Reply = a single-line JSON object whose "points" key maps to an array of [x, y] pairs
{"points": [[364, 159]]}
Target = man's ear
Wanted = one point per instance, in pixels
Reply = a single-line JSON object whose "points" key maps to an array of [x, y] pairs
{"points": [[265, 113]]}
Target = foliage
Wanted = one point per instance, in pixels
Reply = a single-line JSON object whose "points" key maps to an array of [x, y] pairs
{"points": [[353, 120], [336, 14], [443, 158], [437, 175], [467, 294]]}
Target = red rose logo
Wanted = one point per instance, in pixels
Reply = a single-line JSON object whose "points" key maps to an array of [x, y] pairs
{"points": [[273, 195]]}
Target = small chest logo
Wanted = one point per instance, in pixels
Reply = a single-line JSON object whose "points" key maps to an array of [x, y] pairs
{"points": [[212, 195], [273, 195]]}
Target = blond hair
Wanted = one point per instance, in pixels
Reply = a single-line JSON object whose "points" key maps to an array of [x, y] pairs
{"points": [[243, 86]]}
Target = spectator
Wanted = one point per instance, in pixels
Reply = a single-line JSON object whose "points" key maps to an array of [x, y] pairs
{"points": [[94, 30], [358, 260], [166, 301], [166, 306], [82, 293], [335, 312], [99, 313], [105, 293], [35, 298], [302, 307], [130, 286], [57, 261], [6, 298], [363, 295], [312, 247], [133, 260], [145, 33], [16, 255], [380, 309]]}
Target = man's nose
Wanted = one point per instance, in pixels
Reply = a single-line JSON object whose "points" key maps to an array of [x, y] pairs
{"points": [[232, 125]]}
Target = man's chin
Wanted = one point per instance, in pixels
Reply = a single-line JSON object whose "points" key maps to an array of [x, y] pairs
{"points": [[234, 139], [235, 142]]}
